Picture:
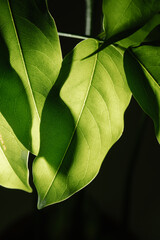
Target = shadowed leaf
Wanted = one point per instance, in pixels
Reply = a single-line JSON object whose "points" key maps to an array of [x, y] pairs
{"points": [[80, 121], [142, 67], [139, 36], [34, 59], [124, 17]]}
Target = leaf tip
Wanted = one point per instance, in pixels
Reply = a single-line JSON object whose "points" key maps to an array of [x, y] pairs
{"points": [[25, 187], [41, 203], [29, 189]]}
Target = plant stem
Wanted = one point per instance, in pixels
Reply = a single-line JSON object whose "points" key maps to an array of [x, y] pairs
{"points": [[69, 35], [75, 36], [89, 13], [131, 171]]}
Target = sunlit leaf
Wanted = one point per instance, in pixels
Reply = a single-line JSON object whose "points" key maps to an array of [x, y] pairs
{"points": [[32, 63], [80, 121], [140, 35], [142, 67], [124, 17], [13, 102], [13, 159]]}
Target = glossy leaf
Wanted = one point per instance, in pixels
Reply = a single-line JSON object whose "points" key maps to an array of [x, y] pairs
{"points": [[13, 159], [124, 17], [82, 118], [32, 64], [142, 67]]}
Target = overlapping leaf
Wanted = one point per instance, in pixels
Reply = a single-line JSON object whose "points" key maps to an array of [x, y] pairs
{"points": [[139, 36], [13, 159], [142, 67], [81, 120], [34, 60], [124, 17], [30, 60], [13, 102]]}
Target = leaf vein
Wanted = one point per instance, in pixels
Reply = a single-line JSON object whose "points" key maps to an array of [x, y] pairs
{"points": [[106, 108], [70, 141], [109, 77], [31, 23], [22, 56]]}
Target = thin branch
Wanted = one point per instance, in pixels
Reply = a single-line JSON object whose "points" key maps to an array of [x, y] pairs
{"points": [[69, 35], [89, 13]]}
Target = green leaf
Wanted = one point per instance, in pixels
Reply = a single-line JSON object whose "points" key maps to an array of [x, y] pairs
{"points": [[82, 118], [124, 17], [14, 106], [13, 159], [142, 67], [153, 38], [32, 64], [140, 35]]}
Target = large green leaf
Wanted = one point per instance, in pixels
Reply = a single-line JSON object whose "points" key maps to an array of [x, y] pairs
{"points": [[123, 17], [13, 159], [13, 103], [32, 64], [81, 120], [142, 67]]}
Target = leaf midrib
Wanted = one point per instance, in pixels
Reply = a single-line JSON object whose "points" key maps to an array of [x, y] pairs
{"points": [[22, 58], [80, 114]]}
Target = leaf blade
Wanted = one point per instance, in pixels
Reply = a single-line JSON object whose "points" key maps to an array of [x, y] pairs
{"points": [[72, 150], [13, 160], [146, 85], [139, 36], [122, 18], [31, 40]]}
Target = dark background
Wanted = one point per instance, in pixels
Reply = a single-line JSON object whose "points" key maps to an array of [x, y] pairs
{"points": [[124, 199]]}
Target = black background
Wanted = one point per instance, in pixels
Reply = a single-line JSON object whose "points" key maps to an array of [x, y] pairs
{"points": [[102, 210]]}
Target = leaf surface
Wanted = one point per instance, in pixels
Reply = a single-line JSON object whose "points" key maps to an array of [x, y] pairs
{"points": [[82, 118], [13, 159], [124, 17], [142, 67], [33, 59], [13, 102], [139, 36]]}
